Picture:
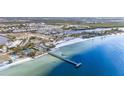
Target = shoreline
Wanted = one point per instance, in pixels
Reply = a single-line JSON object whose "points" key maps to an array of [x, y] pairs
{"points": [[77, 40], [17, 62], [20, 61], [69, 42], [62, 44]]}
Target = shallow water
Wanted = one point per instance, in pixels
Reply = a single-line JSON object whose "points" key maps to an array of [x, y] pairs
{"points": [[101, 56]]}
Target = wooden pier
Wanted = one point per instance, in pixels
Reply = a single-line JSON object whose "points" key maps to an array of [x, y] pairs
{"points": [[66, 60]]}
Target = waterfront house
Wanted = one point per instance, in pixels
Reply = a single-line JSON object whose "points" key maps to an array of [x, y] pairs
{"points": [[5, 59]]}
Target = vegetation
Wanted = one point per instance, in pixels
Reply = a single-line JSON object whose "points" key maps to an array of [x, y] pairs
{"points": [[68, 28], [1, 46], [102, 25], [12, 38], [17, 49], [93, 34], [32, 54]]}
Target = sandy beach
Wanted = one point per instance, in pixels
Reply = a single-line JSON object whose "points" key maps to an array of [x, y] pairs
{"points": [[18, 61], [77, 40], [62, 44], [69, 42], [23, 60]]}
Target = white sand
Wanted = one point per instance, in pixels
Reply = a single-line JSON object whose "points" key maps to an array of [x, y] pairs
{"points": [[18, 61], [73, 41], [64, 43], [40, 55], [76, 40]]}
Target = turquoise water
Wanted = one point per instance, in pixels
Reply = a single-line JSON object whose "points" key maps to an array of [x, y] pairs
{"points": [[99, 57]]}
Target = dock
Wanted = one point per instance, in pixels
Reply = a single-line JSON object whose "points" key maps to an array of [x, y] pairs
{"points": [[66, 60]]}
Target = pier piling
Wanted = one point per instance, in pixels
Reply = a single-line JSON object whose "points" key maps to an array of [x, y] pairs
{"points": [[66, 60]]}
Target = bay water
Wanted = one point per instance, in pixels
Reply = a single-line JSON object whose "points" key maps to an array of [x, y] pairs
{"points": [[100, 56]]}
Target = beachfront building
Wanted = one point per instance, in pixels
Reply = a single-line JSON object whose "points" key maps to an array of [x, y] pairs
{"points": [[5, 59], [29, 52], [3, 49], [14, 43]]}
